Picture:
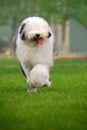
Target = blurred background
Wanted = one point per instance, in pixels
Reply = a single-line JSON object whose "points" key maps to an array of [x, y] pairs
{"points": [[67, 18]]}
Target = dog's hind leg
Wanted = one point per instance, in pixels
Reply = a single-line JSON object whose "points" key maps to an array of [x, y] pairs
{"points": [[26, 72], [22, 70]]}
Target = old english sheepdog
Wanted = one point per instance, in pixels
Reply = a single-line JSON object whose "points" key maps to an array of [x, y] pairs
{"points": [[34, 51]]}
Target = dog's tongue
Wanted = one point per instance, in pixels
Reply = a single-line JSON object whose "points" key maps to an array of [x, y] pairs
{"points": [[39, 41]]}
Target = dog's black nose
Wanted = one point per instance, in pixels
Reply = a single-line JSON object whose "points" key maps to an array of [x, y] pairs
{"points": [[37, 35]]}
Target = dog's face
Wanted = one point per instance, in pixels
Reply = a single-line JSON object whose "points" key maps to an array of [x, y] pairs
{"points": [[34, 30]]}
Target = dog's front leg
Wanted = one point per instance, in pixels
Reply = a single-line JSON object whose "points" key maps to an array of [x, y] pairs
{"points": [[27, 74]]}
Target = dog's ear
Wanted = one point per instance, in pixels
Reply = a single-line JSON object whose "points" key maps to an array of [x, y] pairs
{"points": [[49, 34], [22, 33], [22, 28], [23, 36]]}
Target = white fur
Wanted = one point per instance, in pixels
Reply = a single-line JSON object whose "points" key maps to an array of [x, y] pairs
{"points": [[39, 76], [35, 60]]}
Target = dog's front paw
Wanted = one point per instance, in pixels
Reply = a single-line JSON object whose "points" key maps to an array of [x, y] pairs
{"points": [[32, 89], [48, 84]]}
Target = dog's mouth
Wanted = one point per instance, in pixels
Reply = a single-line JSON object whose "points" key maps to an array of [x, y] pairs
{"points": [[38, 40]]}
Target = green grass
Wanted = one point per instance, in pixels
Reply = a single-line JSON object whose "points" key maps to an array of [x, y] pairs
{"points": [[61, 107]]}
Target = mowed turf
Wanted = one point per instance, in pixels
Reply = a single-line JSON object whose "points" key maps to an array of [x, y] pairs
{"points": [[63, 106]]}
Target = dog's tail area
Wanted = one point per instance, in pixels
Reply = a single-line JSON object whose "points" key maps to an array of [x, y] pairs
{"points": [[39, 76]]}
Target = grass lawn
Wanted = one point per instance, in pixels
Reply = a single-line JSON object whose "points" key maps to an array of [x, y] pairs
{"points": [[61, 107]]}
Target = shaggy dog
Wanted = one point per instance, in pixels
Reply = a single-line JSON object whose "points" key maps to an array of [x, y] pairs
{"points": [[34, 51]]}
